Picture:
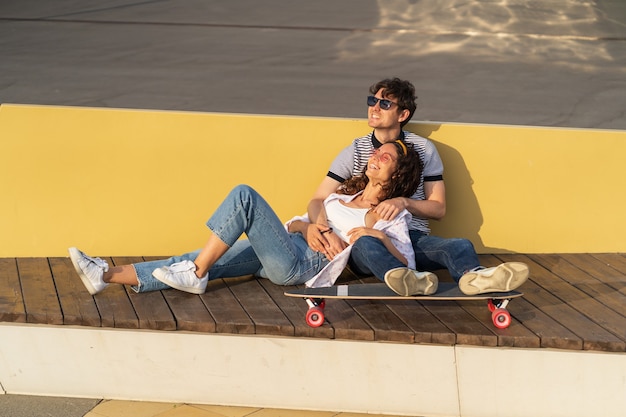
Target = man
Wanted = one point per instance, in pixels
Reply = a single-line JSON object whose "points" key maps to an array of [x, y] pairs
{"points": [[390, 107]]}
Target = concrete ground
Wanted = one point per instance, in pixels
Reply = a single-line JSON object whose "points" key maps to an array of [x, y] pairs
{"points": [[34, 406], [29, 406], [522, 62]]}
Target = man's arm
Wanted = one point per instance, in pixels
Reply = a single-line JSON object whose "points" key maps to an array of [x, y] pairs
{"points": [[433, 207], [328, 243]]}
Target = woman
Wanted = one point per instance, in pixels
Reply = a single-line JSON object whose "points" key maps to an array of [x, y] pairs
{"points": [[276, 251]]}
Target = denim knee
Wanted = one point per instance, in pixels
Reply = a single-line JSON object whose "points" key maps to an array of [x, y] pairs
{"points": [[365, 243], [463, 247], [370, 256], [464, 257]]}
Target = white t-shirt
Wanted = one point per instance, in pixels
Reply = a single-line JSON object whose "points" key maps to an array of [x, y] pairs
{"points": [[343, 218], [353, 159], [397, 230]]}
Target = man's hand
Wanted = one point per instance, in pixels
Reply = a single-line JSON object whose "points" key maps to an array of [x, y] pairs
{"points": [[389, 209]]}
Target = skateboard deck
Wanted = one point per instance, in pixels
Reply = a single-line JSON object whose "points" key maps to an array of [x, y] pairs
{"points": [[496, 301]]}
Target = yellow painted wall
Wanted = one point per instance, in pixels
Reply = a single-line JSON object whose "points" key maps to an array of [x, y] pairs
{"points": [[134, 182]]}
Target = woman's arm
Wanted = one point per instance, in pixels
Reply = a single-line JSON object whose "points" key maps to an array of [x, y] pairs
{"points": [[358, 232], [329, 244], [306, 228], [394, 235]]}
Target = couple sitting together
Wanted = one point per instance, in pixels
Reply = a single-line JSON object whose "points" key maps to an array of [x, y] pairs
{"points": [[371, 212]]}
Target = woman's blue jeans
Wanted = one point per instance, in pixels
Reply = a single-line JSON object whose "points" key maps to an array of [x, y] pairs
{"points": [[370, 257], [269, 252]]}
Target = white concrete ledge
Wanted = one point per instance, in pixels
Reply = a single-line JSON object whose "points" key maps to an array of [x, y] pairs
{"points": [[299, 373]]}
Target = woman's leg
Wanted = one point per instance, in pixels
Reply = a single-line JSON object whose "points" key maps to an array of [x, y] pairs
{"points": [[121, 274], [96, 273], [245, 211], [284, 259], [212, 251]]}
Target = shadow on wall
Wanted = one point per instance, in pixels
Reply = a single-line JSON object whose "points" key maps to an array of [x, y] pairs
{"points": [[463, 215]]}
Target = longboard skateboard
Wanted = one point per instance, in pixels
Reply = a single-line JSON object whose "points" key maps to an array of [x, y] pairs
{"points": [[496, 301]]}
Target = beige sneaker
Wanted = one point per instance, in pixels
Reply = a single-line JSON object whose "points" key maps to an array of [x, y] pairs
{"points": [[407, 282], [502, 278]]}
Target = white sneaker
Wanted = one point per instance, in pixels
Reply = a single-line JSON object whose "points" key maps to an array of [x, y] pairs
{"points": [[502, 278], [90, 270], [182, 276], [407, 282]]}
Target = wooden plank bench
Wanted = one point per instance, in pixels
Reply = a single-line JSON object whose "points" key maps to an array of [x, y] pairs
{"points": [[572, 301]]}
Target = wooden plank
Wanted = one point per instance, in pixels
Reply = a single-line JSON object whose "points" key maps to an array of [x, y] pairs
{"points": [[347, 323], [616, 261], [268, 319], [601, 271], [467, 329], [569, 267], [151, 308], [551, 333], [11, 300], [79, 308], [608, 311], [463, 325], [426, 328], [386, 325], [190, 313], [615, 299], [594, 336], [114, 306], [229, 315], [611, 272], [40, 297], [572, 301], [295, 309], [516, 335]]}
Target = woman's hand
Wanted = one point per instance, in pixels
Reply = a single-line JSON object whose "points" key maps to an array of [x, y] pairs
{"points": [[322, 239], [358, 232]]}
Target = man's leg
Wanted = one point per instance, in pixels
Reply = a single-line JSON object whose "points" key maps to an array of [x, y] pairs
{"points": [[369, 256], [454, 254], [461, 260]]}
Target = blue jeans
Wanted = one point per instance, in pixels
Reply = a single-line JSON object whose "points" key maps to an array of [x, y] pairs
{"points": [[270, 251], [370, 257]]}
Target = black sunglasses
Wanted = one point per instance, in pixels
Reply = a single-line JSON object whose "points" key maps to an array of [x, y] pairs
{"points": [[384, 103]]}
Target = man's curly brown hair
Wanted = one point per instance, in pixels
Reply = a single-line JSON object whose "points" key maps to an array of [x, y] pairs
{"points": [[402, 91], [404, 181]]}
